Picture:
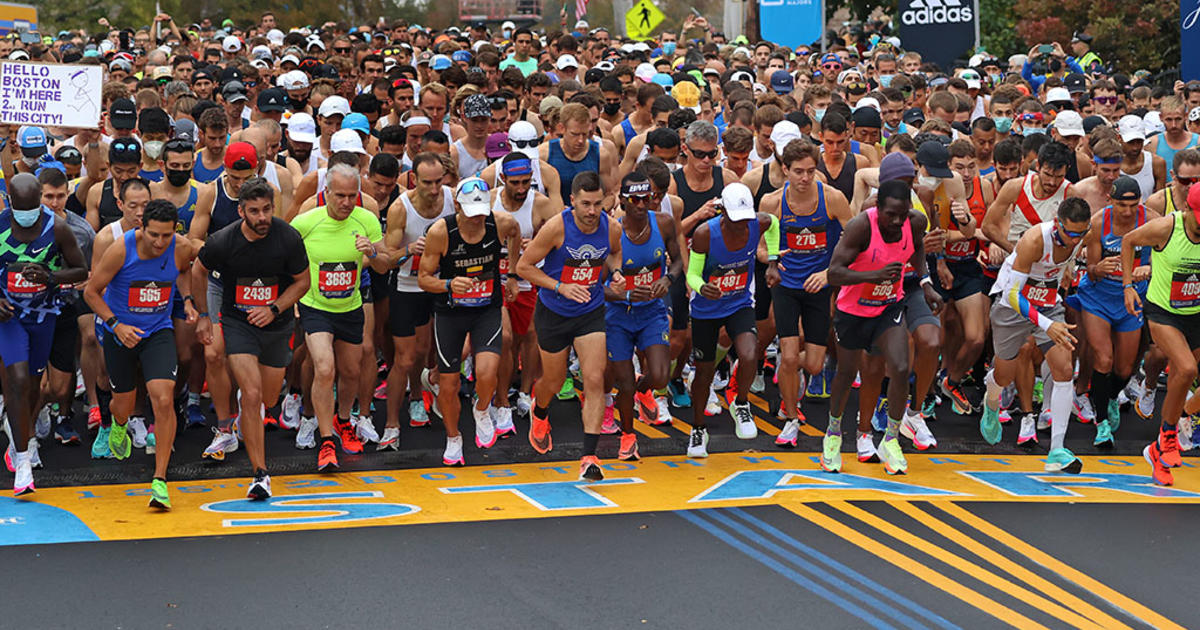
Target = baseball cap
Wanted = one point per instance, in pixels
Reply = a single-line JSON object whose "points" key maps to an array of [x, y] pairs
{"points": [[497, 145], [233, 92], [357, 122], [68, 154], [645, 72], [334, 105], [230, 73], [302, 128], [185, 130], [1125, 188], [440, 62], [472, 194], [294, 80], [327, 71], [1194, 115], [1131, 128], [424, 58], [972, 78], [462, 55], [1069, 123], [161, 74], [32, 140], [1093, 121], [782, 82], [566, 61], [687, 95], [525, 134], [116, 64], [477, 106], [1056, 94], [738, 202], [346, 140], [272, 100], [275, 36], [784, 132], [1075, 83], [935, 157], [241, 156], [896, 165], [914, 117], [231, 44], [547, 105], [201, 75], [292, 59], [122, 114], [867, 117], [867, 101]]}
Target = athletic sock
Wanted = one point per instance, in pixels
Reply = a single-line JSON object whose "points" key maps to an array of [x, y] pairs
{"points": [[1167, 427], [104, 400], [590, 440], [225, 426], [893, 428], [1060, 412], [835, 427], [993, 390], [1101, 393], [540, 412]]}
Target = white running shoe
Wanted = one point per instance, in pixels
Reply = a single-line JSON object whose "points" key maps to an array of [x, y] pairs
{"points": [[914, 428], [713, 406], [743, 421], [1145, 402], [137, 431], [306, 435], [260, 488], [42, 427], [485, 431], [454, 451], [289, 416], [759, 385], [502, 421], [1185, 428], [23, 483], [790, 434], [524, 404], [34, 455], [1043, 421], [1083, 408], [1007, 395], [364, 426], [80, 386], [390, 439], [867, 453], [664, 410], [222, 445], [1027, 436], [698, 443]]}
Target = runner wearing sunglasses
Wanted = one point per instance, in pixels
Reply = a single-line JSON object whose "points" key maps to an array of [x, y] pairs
{"points": [[124, 161]]}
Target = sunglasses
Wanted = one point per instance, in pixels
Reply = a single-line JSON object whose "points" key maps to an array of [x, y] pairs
{"points": [[701, 155], [1104, 100], [250, 84], [339, 49], [1069, 233], [388, 52], [525, 144], [832, 67], [473, 185], [178, 145], [1187, 181], [125, 147]]}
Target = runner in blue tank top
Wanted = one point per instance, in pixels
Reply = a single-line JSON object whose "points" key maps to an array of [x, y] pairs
{"points": [[138, 274], [637, 314], [721, 274], [578, 152], [577, 247], [37, 253]]}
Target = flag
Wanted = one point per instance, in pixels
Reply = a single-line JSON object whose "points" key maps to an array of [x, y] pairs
{"points": [[580, 9]]}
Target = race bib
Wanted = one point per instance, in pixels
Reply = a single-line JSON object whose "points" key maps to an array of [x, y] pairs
{"points": [[479, 293], [18, 285], [806, 240], [1185, 289], [878, 294], [963, 250], [504, 262], [735, 279], [1041, 293], [416, 265], [585, 271], [149, 296], [643, 276], [337, 280], [251, 293]]}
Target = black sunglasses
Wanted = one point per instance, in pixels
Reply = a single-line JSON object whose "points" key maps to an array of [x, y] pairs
{"points": [[526, 144], [338, 49], [712, 155], [179, 145]]}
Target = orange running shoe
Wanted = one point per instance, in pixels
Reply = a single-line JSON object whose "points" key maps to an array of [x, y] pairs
{"points": [[93, 418], [327, 456], [731, 390], [348, 437], [1168, 448], [629, 449], [1161, 474], [539, 434], [270, 422], [589, 469], [647, 407]]}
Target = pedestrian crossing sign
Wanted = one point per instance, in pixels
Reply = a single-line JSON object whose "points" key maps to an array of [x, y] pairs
{"points": [[642, 19]]}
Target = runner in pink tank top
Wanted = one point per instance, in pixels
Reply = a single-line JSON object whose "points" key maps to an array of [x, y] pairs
{"points": [[869, 299]]}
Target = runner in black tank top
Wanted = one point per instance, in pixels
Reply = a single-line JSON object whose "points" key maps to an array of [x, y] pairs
{"points": [[109, 212], [844, 182], [692, 199]]}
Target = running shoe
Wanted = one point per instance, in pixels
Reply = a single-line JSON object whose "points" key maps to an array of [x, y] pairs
{"points": [[195, 415], [743, 421], [539, 434], [831, 453], [1083, 408], [346, 435], [485, 431], [93, 421], [1168, 448], [1161, 474], [589, 469], [867, 453], [137, 431], [1005, 417], [731, 388], [958, 399], [65, 432], [567, 391], [390, 439], [270, 420], [453, 455], [879, 419], [1114, 415], [790, 434], [42, 427], [1104, 436], [1044, 420], [151, 442], [1027, 435], [914, 428], [290, 410], [222, 445], [722, 374], [818, 387], [417, 417], [158, 495], [759, 385], [713, 406], [502, 420], [23, 483], [609, 426], [698, 443], [679, 394], [1007, 395], [33, 451], [629, 448], [664, 411], [306, 435], [100, 448], [1145, 403], [1038, 388], [119, 442], [260, 487], [892, 457], [1185, 428], [1063, 460], [381, 391], [647, 407], [10, 456], [524, 403], [857, 380], [327, 456], [989, 425], [364, 427]]}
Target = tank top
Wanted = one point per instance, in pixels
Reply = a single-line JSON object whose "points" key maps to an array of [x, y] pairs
{"points": [[693, 199], [579, 260], [868, 299], [731, 270], [1175, 283], [536, 181], [415, 226], [1144, 177], [642, 265], [844, 182], [478, 261], [225, 209], [152, 176], [966, 249], [1169, 207], [568, 169], [188, 209], [469, 165], [1031, 210], [202, 173], [271, 174], [32, 302], [765, 187], [1164, 150], [628, 130], [109, 212], [140, 293], [524, 217], [1045, 275], [806, 240], [1110, 245]]}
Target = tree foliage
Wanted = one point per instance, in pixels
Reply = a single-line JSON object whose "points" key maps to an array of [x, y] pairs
{"points": [[1128, 35]]}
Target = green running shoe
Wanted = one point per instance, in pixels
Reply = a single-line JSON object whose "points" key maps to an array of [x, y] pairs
{"points": [[1037, 390], [1114, 414], [119, 442], [100, 448], [1062, 460], [568, 389], [892, 457], [831, 455], [158, 495], [1104, 436], [989, 424]]}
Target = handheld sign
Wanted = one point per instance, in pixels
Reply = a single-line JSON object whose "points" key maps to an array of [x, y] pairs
{"points": [[52, 95]]}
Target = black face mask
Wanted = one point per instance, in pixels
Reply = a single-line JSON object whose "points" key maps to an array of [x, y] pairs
{"points": [[298, 103], [611, 108], [178, 177]]}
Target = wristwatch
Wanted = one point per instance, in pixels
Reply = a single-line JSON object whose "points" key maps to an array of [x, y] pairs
{"points": [[274, 309], [111, 322]]}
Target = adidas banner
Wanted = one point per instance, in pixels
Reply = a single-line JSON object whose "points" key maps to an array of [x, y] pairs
{"points": [[941, 30]]}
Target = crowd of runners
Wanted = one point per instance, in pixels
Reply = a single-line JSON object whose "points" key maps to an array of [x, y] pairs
{"points": [[290, 226]]}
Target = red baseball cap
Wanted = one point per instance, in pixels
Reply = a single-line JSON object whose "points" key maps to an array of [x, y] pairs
{"points": [[241, 156]]}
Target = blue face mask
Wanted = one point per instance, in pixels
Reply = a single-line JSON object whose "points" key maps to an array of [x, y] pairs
{"points": [[885, 80], [1032, 132], [1003, 123], [818, 114], [507, 33], [26, 218], [668, 48]]}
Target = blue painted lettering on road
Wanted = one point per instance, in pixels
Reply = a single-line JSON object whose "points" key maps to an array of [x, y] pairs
{"points": [[554, 495], [320, 509], [762, 484]]}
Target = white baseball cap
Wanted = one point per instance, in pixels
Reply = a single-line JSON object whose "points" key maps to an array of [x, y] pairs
{"points": [[784, 132], [302, 128], [523, 131], [231, 44], [472, 194], [1069, 123], [334, 105], [645, 72], [867, 102], [346, 140], [566, 61], [1131, 128], [738, 201], [1056, 94], [294, 80], [275, 36]]}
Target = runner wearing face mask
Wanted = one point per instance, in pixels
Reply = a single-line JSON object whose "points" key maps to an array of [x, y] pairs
{"points": [[177, 159], [154, 128]]}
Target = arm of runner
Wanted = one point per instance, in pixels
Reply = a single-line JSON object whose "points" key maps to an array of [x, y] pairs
{"points": [[185, 253], [1155, 234], [864, 181], [435, 244], [918, 262], [706, 212], [199, 273], [76, 267], [203, 215], [512, 241], [102, 274], [1097, 265], [666, 226], [546, 239], [994, 221], [697, 256], [612, 262]]}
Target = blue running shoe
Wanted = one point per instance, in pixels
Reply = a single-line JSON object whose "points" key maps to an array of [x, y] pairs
{"points": [[1114, 414], [679, 394], [818, 386], [66, 433], [195, 416], [100, 448], [879, 421]]}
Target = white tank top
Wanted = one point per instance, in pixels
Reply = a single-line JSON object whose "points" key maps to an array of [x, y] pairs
{"points": [[1144, 177], [468, 165], [311, 166], [117, 232], [1045, 275], [415, 227], [321, 178], [1030, 206], [272, 175], [538, 185], [524, 217]]}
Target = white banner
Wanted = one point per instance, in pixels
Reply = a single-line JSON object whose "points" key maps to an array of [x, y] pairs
{"points": [[51, 95]]}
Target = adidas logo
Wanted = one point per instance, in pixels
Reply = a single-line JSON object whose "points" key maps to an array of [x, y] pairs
{"points": [[927, 12]]}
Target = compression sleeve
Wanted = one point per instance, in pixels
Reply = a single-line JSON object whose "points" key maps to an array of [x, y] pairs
{"points": [[695, 270], [1021, 305], [772, 236]]}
